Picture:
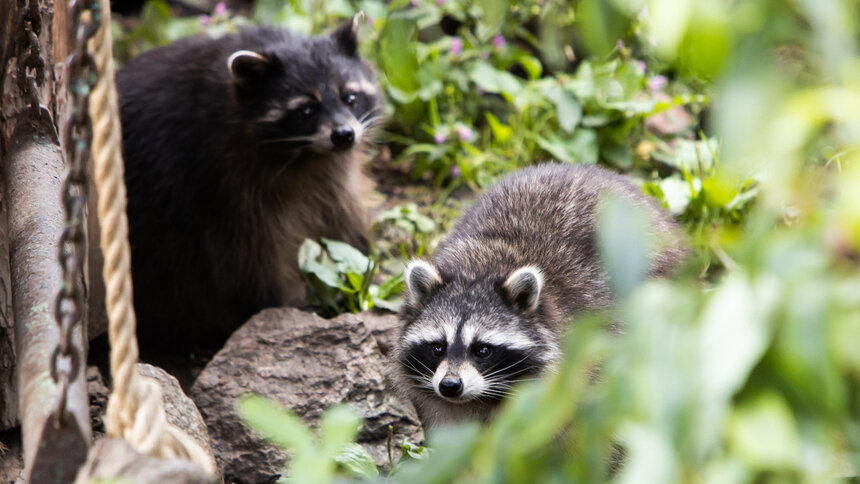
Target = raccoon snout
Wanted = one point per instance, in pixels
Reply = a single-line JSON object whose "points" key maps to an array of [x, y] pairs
{"points": [[342, 137], [451, 387]]}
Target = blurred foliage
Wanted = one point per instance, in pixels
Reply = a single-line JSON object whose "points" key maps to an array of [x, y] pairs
{"points": [[340, 279], [743, 117]]}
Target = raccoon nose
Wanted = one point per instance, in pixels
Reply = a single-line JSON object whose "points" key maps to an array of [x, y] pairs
{"points": [[342, 137], [450, 387]]}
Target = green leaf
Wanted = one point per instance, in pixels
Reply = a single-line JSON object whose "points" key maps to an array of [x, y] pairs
{"points": [[676, 194], [493, 80], [275, 423], [580, 148], [351, 258], [493, 16], [764, 434], [393, 305], [529, 63], [623, 241], [393, 285], [310, 250], [501, 132], [568, 109], [326, 275], [397, 55], [355, 458], [338, 427]]}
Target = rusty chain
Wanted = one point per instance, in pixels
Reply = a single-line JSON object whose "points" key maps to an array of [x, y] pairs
{"points": [[81, 75], [31, 66]]}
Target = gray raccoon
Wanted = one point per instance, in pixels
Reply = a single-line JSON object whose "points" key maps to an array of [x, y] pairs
{"points": [[236, 150], [489, 307]]}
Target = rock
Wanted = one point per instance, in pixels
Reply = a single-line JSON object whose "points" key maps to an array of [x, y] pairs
{"points": [[11, 457], [308, 364], [181, 411], [114, 459], [98, 393], [383, 327]]}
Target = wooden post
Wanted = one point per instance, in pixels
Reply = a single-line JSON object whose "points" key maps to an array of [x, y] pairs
{"points": [[31, 220]]}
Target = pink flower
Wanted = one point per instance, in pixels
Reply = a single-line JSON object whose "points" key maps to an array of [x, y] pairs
{"points": [[465, 133], [440, 138], [220, 9], [498, 41], [440, 2], [414, 3], [455, 171], [643, 14], [205, 19], [640, 68], [656, 83], [370, 20], [619, 45], [456, 46]]}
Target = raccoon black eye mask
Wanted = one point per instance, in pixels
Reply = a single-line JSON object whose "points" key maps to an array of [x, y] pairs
{"points": [[488, 309]]}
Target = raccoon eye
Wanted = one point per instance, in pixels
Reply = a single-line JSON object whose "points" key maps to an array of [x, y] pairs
{"points": [[308, 110], [350, 99], [438, 349], [482, 351]]}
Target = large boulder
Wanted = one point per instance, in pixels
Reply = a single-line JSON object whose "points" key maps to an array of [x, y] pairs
{"points": [[308, 364]]}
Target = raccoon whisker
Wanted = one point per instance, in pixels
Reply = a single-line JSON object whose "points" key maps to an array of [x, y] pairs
{"points": [[496, 395], [289, 139], [369, 113], [510, 376], [520, 380], [421, 374], [373, 121], [524, 358], [506, 390], [507, 380], [429, 371]]}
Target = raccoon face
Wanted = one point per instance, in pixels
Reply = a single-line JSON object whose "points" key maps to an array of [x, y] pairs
{"points": [[471, 341], [308, 94]]}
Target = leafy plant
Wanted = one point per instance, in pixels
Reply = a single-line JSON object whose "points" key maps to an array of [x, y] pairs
{"points": [[314, 458], [339, 278]]}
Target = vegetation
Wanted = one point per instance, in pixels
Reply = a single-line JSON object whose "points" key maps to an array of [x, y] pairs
{"points": [[742, 116]]}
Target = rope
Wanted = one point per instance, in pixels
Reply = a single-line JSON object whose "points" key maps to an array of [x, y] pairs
{"points": [[135, 411]]}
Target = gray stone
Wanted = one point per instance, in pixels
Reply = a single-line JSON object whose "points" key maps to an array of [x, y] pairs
{"points": [[383, 327], [181, 411], [11, 457], [308, 364]]}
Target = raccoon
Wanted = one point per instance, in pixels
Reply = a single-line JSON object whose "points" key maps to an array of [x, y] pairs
{"points": [[236, 150], [488, 309]]}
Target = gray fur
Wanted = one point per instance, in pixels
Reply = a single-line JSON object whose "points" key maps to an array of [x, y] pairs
{"points": [[517, 265]]}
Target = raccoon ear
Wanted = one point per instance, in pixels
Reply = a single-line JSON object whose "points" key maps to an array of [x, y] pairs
{"points": [[248, 66], [523, 287], [421, 279], [346, 36]]}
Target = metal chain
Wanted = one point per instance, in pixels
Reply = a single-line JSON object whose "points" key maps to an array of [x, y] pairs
{"points": [[31, 66], [81, 75]]}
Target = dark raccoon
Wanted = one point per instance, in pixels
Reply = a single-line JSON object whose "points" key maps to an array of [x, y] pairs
{"points": [[488, 309], [236, 150]]}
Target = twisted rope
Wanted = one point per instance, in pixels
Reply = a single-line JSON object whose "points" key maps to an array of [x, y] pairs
{"points": [[135, 411]]}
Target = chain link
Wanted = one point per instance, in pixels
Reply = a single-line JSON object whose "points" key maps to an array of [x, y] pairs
{"points": [[31, 66], [81, 75]]}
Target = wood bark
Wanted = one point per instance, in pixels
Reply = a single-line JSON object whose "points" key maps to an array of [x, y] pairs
{"points": [[18, 128]]}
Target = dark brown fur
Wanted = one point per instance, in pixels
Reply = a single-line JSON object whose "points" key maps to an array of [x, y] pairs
{"points": [[218, 201]]}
